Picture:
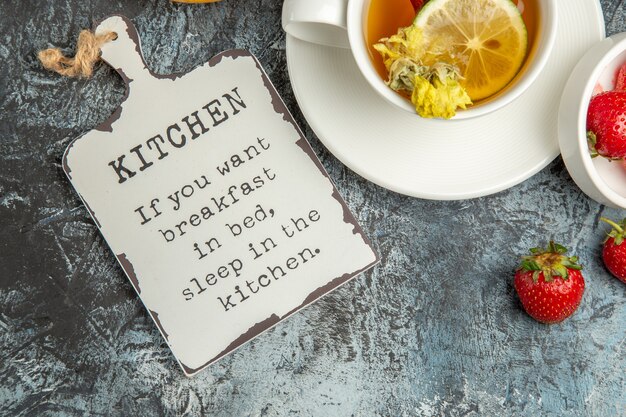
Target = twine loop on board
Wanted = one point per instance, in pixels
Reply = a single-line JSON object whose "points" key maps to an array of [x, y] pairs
{"points": [[87, 54]]}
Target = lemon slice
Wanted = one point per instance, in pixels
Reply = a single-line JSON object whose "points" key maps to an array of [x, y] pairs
{"points": [[485, 39]]}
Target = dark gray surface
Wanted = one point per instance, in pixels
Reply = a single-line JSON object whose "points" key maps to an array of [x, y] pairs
{"points": [[436, 329]]}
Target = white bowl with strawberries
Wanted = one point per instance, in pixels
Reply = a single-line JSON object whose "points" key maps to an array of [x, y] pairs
{"points": [[592, 122]]}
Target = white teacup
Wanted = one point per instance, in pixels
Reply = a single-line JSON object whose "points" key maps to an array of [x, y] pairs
{"points": [[341, 23]]}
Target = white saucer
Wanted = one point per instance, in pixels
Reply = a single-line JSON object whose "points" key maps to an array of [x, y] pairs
{"points": [[436, 159]]}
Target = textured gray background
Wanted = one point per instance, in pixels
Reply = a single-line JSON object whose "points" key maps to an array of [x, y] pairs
{"points": [[436, 329]]}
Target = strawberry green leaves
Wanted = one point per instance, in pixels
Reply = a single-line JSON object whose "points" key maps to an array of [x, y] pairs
{"points": [[551, 262]]}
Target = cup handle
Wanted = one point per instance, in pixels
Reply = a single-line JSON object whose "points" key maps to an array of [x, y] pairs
{"points": [[317, 21]]}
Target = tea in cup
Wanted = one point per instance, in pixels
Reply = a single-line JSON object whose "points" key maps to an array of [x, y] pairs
{"points": [[445, 56]]}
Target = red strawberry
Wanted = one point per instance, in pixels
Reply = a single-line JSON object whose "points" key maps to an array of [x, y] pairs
{"points": [[549, 284], [620, 82], [606, 125], [417, 4], [614, 251]]}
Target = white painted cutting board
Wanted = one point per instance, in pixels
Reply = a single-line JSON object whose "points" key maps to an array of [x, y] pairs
{"points": [[212, 200]]}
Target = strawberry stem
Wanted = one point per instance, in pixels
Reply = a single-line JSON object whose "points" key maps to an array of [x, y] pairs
{"points": [[617, 233], [613, 224]]}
